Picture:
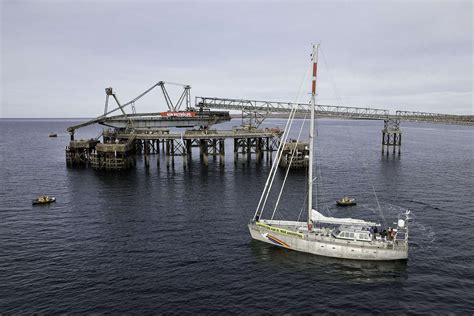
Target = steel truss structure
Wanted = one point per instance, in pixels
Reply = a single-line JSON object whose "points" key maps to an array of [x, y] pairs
{"points": [[254, 112], [434, 117]]}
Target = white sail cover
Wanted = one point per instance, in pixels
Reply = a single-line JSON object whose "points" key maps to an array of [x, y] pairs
{"points": [[318, 217]]}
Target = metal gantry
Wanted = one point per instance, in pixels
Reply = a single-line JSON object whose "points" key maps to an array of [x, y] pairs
{"points": [[434, 117], [184, 98], [174, 117], [254, 112]]}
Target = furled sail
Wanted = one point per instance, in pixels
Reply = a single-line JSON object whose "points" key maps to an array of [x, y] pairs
{"points": [[320, 218]]}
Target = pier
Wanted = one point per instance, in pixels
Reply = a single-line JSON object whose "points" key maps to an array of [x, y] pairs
{"points": [[120, 147], [126, 135], [391, 136]]}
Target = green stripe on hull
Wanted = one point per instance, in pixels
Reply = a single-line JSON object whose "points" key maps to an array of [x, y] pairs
{"points": [[281, 230]]}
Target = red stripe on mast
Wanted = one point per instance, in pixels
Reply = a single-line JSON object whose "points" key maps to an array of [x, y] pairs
{"points": [[315, 70]]}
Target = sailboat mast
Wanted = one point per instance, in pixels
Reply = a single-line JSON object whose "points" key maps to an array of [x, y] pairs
{"points": [[314, 59]]}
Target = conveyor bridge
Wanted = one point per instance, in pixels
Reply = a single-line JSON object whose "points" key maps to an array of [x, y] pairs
{"points": [[256, 111]]}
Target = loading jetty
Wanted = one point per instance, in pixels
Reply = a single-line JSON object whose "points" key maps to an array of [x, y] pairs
{"points": [[119, 148], [175, 132], [127, 135]]}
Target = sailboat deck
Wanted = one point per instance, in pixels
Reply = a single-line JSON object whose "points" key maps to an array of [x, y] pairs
{"points": [[324, 235]]}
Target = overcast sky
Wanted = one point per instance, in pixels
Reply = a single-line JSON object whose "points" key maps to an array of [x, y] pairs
{"points": [[58, 56]]}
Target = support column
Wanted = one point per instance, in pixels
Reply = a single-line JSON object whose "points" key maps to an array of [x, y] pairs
{"points": [[189, 149], [167, 147], [391, 135], [258, 149], [384, 136], [146, 152], [204, 152], [221, 151], [147, 161], [399, 143], [236, 147]]}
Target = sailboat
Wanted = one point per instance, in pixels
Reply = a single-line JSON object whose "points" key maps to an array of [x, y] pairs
{"points": [[345, 238]]}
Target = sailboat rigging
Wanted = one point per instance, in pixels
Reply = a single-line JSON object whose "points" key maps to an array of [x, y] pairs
{"points": [[345, 238]]}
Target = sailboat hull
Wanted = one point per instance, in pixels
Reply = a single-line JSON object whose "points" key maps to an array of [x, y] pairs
{"points": [[328, 246]]}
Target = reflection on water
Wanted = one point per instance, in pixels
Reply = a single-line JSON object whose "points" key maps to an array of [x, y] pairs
{"points": [[348, 270]]}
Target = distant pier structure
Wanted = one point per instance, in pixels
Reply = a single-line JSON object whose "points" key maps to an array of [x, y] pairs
{"points": [[391, 135], [183, 127]]}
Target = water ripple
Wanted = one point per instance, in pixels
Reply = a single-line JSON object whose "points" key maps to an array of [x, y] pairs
{"points": [[175, 241]]}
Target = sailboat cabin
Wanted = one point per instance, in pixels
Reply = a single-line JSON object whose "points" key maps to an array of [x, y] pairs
{"points": [[352, 233]]}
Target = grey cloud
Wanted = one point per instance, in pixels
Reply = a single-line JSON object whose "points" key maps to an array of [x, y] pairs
{"points": [[57, 57]]}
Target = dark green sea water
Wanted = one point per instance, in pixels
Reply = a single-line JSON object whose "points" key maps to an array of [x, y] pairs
{"points": [[170, 240]]}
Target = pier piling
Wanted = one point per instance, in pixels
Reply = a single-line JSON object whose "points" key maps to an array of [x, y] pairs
{"points": [[120, 147], [391, 136]]}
